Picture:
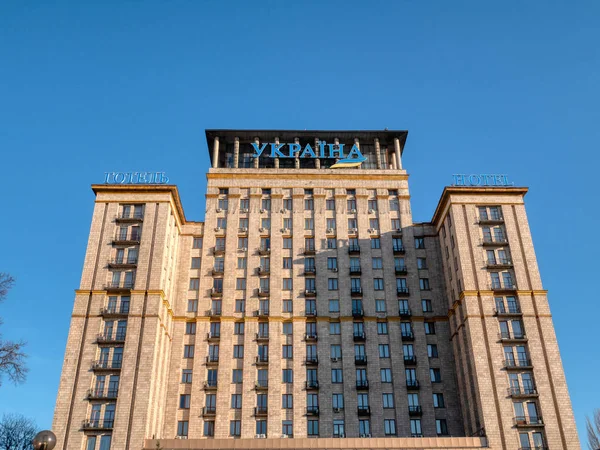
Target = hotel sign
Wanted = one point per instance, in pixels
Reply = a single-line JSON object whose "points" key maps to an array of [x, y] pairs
{"points": [[354, 158], [461, 179], [135, 178]]}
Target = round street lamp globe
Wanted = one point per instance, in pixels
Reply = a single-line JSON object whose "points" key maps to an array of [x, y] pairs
{"points": [[44, 440]]}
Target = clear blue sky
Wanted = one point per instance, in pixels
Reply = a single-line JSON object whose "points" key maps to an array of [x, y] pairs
{"points": [[496, 87]]}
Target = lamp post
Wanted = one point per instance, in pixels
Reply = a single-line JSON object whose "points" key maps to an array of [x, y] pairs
{"points": [[44, 440]]}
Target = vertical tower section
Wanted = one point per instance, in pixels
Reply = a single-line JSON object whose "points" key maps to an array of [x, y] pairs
{"points": [[506, 355]]}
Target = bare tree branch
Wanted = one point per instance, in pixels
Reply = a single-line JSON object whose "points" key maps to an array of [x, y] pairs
{"points": [[593, 430], [12, 356], [16, 432], [6, 282]]}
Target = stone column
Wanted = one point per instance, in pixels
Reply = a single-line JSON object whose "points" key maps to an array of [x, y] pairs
{"points": [[277, 157], [256, 159], [297, 155], [357, 143], [377, 150], [392, 160], [398, 157], [236, 152], [336, 142], [316, 149], [215, 155]]}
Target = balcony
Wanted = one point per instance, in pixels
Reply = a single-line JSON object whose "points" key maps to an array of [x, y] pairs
{"points": [[408, 336], [261, 385], [399, 250], [130, 218], [311, 384], [97, 424], [218, 251], [217, 271], [354, 249], [521, 363], [261, 411], [415, 410], [356, 270], [405, 312], [261, 313], [308, 251], [526, 421], [311, 337], [499, 263], [216, 292], [410, 360], [506, 336], [210, 385], [503, 287], [360, 360], [243, 231], [355, 291], [119, 286], [213, 313], [101, 394], [310, 293], [402, 291], [262, 336], [364, 411], [359, 337], [263, 292], [412, 384], [358, 313], [492, 241], [311, 360], [100, 365], [209, 411], [513, 310], [310, 313], [518, 392], [312, 410], [310, 271], [212, 360], [213, 336], [362, 384], [263, 271], [122, 263], [117, 338], [264, 250], [113, 312], [264, 231], [490, 220], [402, 270], [127, 239], [262, 360]]}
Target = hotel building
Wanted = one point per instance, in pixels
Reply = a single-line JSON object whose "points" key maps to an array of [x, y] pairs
{"points": [[309, 310]]}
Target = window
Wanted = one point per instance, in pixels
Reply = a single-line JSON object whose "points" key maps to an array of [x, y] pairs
{"points": [[424, 284], [287, 242], [388, 401], [287, 376], [336, 376], [334, 328], [186, 376], [429, 327], [91, 443], [380, 305], [287, 401], [235, 427], [194, 284], [190, 328], [197, 242], [192, 305], [441, 427], [375, 243], [184, 401], [426, 304], [338, 429], [421, 263], [287, 306], [334, 305], [336, 351], [438, 401], [386, 375], [287, 284], [240, 284], [389, 426], [394, 206], [420, 242], [331, 243], [238, 328], [415, 428], [287, 352], [378, 284], [374, 224], [195, 262], [332, 263], [241, 263], [313, 428], [384, 351], [338, 401], [377, 263], [188, 351], [287, 428], [266, 204], [309, 204], [237, 376], [432, 350], [351, 205], [287, 328], [182, 428], [287, 263], [382, 328], [435, 375], [332, 284], [330, 204], [236, 401], [240, 305], [238, 351], [309, 223], [352, 224], [288, 204]]}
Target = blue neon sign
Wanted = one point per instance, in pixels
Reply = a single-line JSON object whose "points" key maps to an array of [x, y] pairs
{"points": [[323, 150]]}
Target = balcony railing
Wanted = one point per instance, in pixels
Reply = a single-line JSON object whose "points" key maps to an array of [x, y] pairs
{"points": [[401, 270], [520, 363], [106, 365], [261, 313], [408, 336], [210, 384], [263, 270], [312, 360], [358, 313], [262, 360], [97, 424], [106, 338], [355, 270], [356, 291], [360, 360], [213, 336], [131, 217], [312, 410], [102, 394], [410, 360], [212, 359], [310, 336], [262, 336], [122, 262], [495, 240], [310, 292], [261, 411], [504, 262], [213, 312], [122, 285], [511, 311], [209, 411], [129, 238], [528, 421], [216, 292], [415, 410], [261, 385], [402, 290], [526, 391], [399, 249], [310, 271], [506, 336], [503, 287], [218, 250], [364, 410], [359, 336], [217, 271], [263, 292], [362, 384], [312, 384], [113, 312], [490, 220], [412, 384], [404, 312], [308, 250], [354, 249], [310, 313]]}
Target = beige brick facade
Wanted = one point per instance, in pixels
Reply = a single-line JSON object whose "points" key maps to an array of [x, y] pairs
{"points": [[156, 287]]}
